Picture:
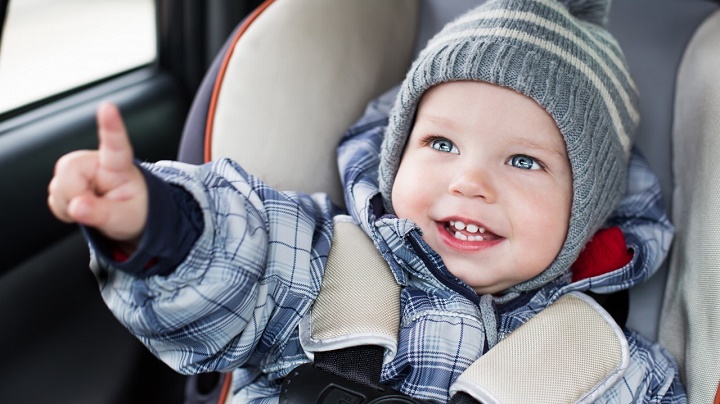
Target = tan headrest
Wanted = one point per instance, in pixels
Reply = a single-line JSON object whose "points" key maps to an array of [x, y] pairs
{"points": [[299, 75]]}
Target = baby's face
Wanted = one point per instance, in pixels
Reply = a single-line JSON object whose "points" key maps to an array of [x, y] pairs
{"points": [[486, 176]]}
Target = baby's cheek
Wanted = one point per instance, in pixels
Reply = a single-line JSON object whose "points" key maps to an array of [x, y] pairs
{"points": [[404, 204], [413, 205], [547, 231]]}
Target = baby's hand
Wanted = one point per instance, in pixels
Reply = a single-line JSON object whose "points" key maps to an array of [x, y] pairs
{"points": [[102, 188]]}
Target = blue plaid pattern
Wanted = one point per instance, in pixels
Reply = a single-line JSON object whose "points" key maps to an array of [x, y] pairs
{"points": [[237, 297], [235, 302]]}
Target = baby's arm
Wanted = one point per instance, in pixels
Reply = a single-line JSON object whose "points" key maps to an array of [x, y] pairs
{"points": [[237, 294]]}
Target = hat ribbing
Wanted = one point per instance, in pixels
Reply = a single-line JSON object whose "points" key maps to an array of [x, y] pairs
{"points": [[570, 65]]}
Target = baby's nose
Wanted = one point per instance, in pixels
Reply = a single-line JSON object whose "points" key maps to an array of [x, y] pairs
{"points": [[473, 183]]}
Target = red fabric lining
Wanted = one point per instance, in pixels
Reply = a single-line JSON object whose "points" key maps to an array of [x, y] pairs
{"points": [[605, 252], [120, 256]]}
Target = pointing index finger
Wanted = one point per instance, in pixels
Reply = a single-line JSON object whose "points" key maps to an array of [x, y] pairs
{"points": [[115, 150]]}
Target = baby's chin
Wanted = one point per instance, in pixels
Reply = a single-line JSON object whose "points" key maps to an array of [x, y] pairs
{"points": [[490, 290], [482, 287]]}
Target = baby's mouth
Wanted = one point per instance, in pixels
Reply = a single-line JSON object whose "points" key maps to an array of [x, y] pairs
{"points": [[469, 232]]}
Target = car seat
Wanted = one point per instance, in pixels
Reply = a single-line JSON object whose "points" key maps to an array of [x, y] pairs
{"points": [[690, 322], [294, 75]]}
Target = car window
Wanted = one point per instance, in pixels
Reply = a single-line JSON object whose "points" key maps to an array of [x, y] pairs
{"points": [[52, 46]]}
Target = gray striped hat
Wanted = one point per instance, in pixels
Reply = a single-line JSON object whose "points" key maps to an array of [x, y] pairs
{"points": [[559, 54]]}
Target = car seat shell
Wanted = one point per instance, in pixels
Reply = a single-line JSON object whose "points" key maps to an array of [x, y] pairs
{"points": [[257, 105]]}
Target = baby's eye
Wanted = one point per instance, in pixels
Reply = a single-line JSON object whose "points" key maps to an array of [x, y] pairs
{"points": [[524, 162], [444, 145]]}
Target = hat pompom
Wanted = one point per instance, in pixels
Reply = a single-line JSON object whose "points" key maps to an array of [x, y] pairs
{"points": [[592, 11]]}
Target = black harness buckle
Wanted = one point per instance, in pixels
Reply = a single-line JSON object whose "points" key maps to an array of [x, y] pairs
{"points": [[307, 384]]}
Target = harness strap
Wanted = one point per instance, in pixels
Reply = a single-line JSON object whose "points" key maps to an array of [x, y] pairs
{"points": [[361, 364], [573, 351], [352, 326], [359, 300], [462, 398]]}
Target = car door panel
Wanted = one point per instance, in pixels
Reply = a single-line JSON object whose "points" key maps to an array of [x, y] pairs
{"points": [[62, 343]]}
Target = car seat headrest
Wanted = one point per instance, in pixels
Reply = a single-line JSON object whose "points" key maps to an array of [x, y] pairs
{"points": [[283, 97]]}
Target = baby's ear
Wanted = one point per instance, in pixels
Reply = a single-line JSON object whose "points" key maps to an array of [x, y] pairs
{"points": [[605, 252]]}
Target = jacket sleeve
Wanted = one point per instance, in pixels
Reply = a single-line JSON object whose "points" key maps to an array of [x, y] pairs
{"points": [[248, 279]]}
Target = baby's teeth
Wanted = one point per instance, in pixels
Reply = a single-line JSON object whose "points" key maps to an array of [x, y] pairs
{"points": [[463, 237], [470, 228]]}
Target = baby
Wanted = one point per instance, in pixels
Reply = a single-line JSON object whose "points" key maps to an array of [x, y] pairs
{"points": [[505, 152]]}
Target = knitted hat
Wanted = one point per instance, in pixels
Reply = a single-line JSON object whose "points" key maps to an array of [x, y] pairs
{"points": [[558, 53]]}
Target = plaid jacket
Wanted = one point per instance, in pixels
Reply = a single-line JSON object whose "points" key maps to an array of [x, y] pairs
{"points": [[235, 300]]}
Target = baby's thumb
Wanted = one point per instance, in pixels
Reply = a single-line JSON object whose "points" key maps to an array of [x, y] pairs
{"points": [[116, 152]]}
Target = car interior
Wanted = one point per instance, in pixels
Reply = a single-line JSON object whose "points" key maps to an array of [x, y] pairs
{"points": [[226, 75]]}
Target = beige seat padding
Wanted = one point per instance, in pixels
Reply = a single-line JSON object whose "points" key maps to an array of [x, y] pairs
{"points": [[690, 324], [283, 124], [573, 351]]}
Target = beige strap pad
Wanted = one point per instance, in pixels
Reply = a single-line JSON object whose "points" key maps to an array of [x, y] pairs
{"points": [[359, 301], [573, 351]]}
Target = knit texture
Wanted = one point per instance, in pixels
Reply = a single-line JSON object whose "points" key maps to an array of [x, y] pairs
{"points": [[572, 67]]}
